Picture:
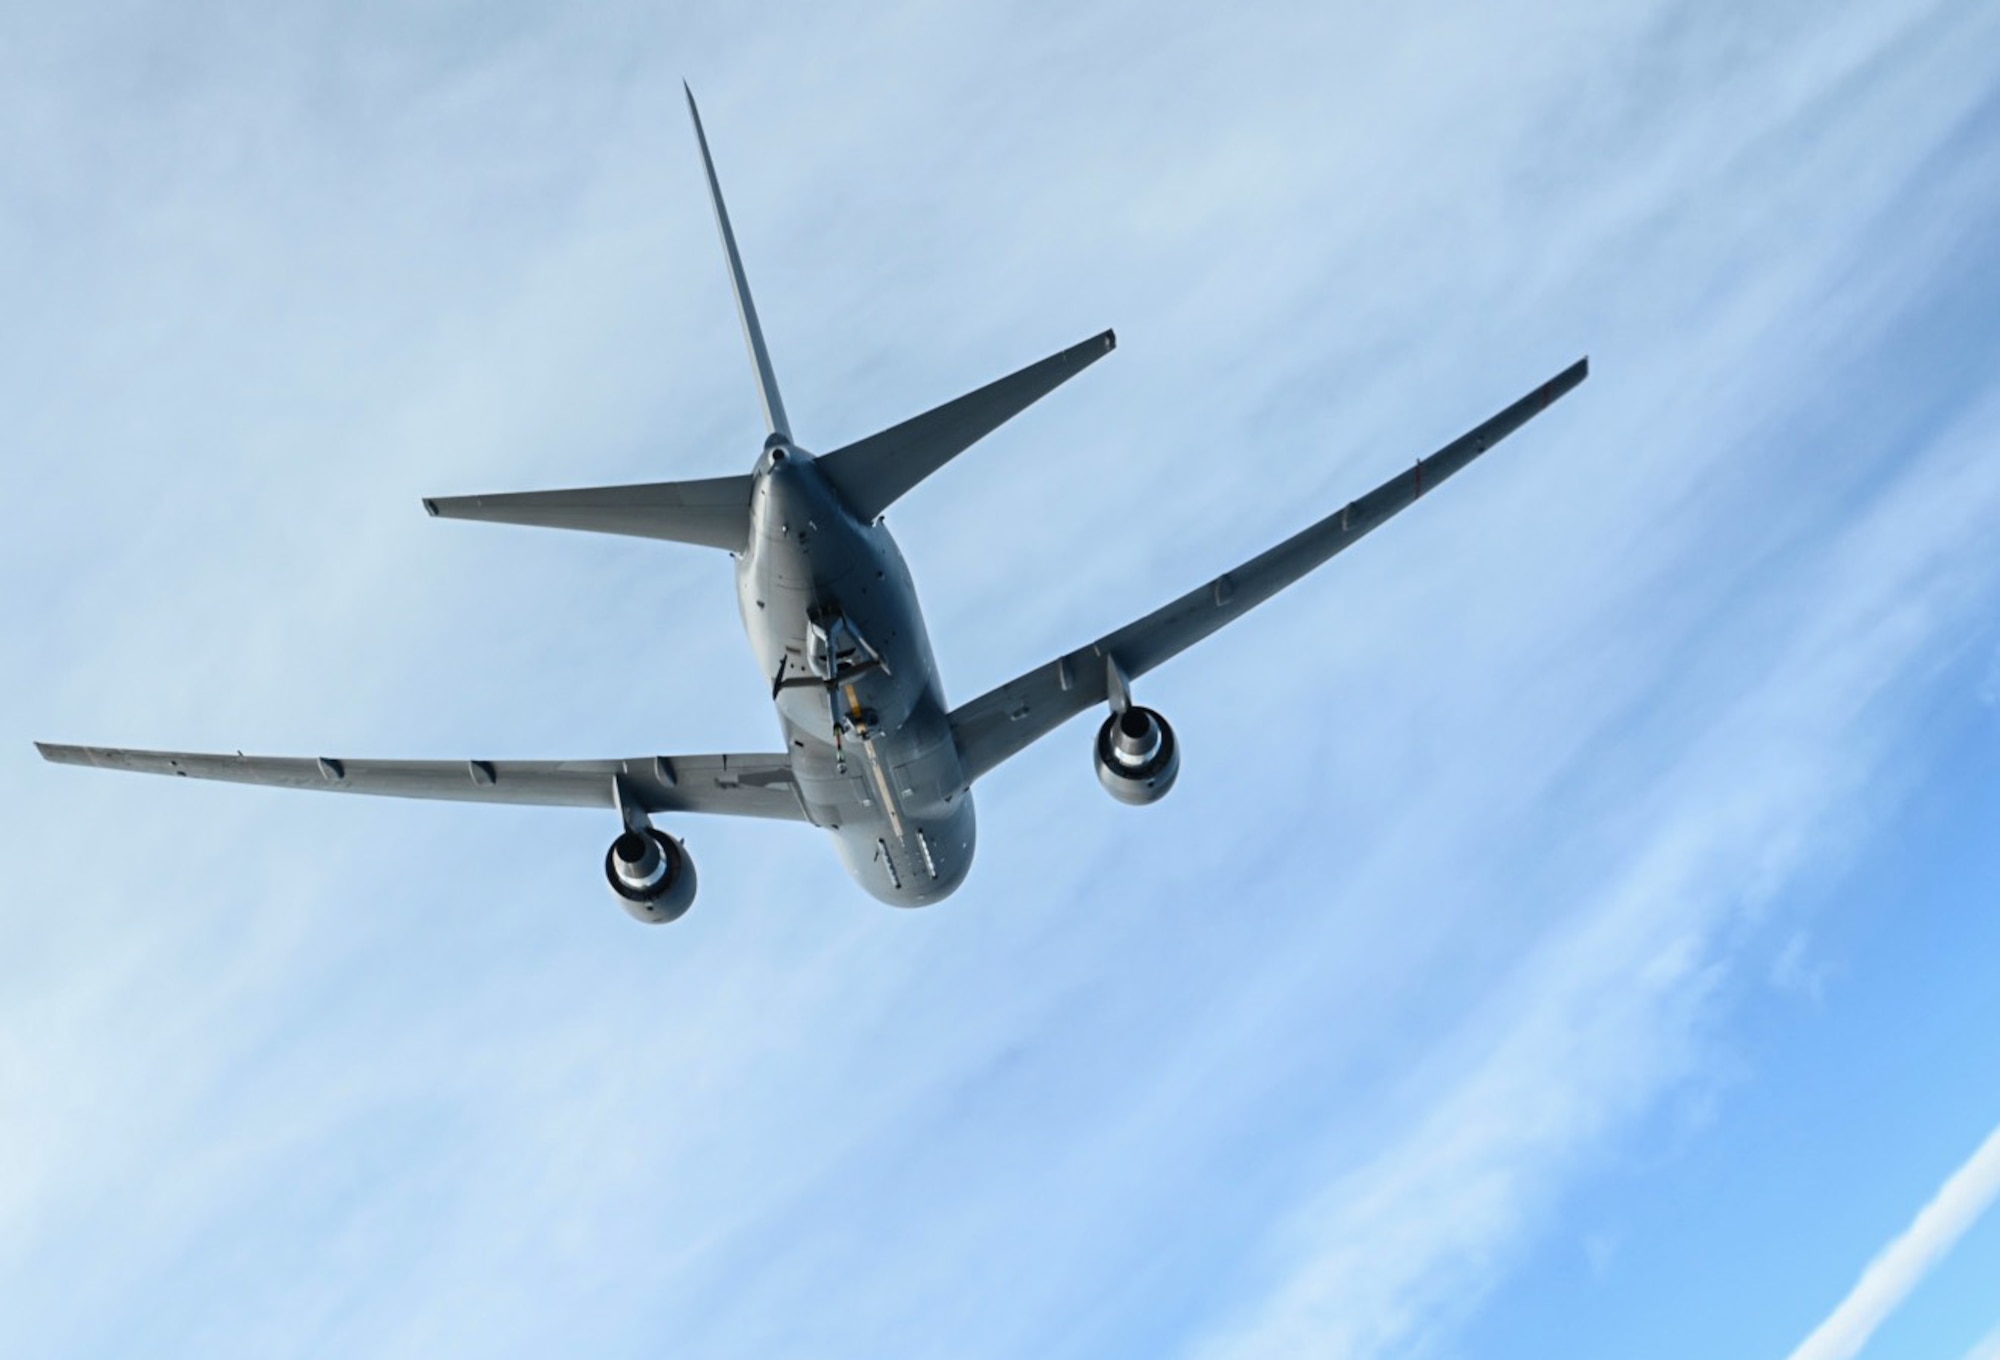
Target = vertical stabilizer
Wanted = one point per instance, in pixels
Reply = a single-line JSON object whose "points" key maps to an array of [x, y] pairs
{"points": [[753, 334]]}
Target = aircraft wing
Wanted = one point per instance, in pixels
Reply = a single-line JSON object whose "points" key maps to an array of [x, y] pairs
{"points": [[731, 785], [1006, 720]]}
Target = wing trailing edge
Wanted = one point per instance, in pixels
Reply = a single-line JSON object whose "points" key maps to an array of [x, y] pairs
{"points": [[726, 785]]}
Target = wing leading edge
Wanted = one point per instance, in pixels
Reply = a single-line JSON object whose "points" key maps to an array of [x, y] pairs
{"points": [[728, 785], [1007, 720]]}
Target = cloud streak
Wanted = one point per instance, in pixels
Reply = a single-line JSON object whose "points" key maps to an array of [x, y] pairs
{"points": [[1904, 1263], [1608, 1013], [1299, 1061], [1987, 1348]]}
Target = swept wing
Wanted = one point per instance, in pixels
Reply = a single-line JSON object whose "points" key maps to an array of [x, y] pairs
{"points": [[730, 785], [1006, 720]]}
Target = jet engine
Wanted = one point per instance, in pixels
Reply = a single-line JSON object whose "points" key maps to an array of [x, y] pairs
{"points": [[653, 875], [1137, 756]]}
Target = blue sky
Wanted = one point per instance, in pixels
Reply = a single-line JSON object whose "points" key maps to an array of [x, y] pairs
{"points": [[1572, 931]]}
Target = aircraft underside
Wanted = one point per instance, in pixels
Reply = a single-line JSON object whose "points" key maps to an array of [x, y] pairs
{"points": [[832, 616], [873, 754]]}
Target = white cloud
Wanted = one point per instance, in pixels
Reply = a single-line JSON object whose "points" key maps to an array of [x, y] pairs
{"points": [[1988, 1347], [1608, 1013], [1989, 685], [1795, 972], [1902, 1265], [381, 1080]]}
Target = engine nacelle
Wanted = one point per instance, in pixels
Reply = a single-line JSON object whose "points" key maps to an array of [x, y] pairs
{"points": [[1137, 756], [653, 875]]}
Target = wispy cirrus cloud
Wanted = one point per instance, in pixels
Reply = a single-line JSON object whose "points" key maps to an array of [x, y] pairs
{"points": [[1610, 1010], [1449, 890]]}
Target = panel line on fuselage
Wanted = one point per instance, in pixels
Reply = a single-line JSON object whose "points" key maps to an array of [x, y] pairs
{"points": [[892, 808]]}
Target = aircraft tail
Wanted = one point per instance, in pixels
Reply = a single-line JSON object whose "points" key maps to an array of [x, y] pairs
{"points": [[713, 512], [775, 420], [870, 474], [873, 472]]}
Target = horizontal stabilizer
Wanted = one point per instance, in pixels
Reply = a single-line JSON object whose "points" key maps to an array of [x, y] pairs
{"points": [[872, 473], [713, 512]]}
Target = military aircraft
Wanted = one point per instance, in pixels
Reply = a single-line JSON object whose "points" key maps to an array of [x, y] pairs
{"points": [[873, 752]]}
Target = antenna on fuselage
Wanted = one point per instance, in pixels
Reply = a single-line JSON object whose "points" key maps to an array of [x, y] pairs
{"points": [[775, 422]]}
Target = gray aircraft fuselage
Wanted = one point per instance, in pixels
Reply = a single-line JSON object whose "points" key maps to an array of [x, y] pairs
{"points": [[892, 789], [872, 754]]}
